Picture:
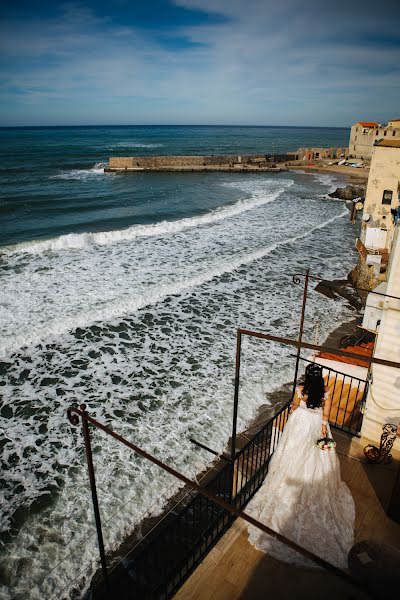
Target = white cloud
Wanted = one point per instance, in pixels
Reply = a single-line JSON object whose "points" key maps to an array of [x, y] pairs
{"points": [[284, 62]]}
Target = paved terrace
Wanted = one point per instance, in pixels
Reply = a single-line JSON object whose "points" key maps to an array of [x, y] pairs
{"points": [[235, 569]]}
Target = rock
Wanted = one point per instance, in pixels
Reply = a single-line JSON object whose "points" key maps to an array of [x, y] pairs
{"points": [[340, 287], [350, 192]]}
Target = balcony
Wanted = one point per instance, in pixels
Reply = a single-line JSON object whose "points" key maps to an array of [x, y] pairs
{"points": [[235, 569], [368, 252]]}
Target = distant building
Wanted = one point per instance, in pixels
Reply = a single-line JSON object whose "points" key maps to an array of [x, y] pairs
{"points": [[320, 153], [364, 134], [381, 201]]}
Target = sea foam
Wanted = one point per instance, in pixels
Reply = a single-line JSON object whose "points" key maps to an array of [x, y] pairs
{"points": [[143, 331], [82, 240], [82, 174]]}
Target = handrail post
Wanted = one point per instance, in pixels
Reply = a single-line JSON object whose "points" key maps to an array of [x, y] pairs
{"points": [[303, 312], [236, 394], [92, 478], [235, 412]]}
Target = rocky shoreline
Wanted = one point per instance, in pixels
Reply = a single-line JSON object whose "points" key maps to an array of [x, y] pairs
{"points": [[349, 192], [343, 288]]}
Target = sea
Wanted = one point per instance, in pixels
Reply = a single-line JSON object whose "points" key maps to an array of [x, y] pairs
{"points": [[124, 291]]}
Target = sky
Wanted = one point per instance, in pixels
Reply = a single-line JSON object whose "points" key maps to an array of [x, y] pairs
{"points": [[229, 62]]}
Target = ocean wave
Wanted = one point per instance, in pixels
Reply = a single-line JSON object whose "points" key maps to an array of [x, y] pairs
{"points": [[82, 174], [327, 179], [155, 294], [82, 240], [330, 180], [133, 144]]}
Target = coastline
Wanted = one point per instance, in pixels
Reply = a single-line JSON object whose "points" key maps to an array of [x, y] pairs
{"points": [[353, 173]]}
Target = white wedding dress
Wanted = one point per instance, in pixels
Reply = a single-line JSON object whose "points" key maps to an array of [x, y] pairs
{"points": [[303, 496]]}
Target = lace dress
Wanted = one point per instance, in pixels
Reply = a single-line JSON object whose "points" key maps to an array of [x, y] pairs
{"points": [[303, 496]]}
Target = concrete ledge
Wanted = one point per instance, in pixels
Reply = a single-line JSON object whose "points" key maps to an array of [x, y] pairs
{"points": [[188, 169]]}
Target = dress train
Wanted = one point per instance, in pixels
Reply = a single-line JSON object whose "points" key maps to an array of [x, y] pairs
{"points": [[303, 496]]}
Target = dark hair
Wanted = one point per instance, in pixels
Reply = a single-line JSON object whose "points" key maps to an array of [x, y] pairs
{"points": [[314, 386]]}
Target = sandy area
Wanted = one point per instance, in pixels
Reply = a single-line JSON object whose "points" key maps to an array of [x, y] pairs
{"points": [[360, 174]]}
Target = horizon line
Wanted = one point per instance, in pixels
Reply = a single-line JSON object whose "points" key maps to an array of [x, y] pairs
{"points": [[177, 125]]}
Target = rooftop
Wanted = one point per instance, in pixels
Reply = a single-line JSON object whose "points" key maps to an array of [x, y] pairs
{"points": [[368, 123], [235, 570], [388, 143], [364, 349]]}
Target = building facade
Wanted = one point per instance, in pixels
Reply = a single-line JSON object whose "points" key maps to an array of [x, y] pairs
{"points": [[320, 153], [379, 218], [364, 134], [383, 400]]}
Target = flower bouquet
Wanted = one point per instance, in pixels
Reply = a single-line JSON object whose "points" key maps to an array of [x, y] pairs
{"points": [[326, 443]]}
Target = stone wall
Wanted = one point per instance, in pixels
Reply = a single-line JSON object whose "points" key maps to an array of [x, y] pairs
{"points": [[320, 153], [364, 276], [187, 162]]}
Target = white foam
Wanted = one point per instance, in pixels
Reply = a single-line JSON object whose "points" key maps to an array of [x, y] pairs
{"points": [[82, 240], [327, 180], [82, 174], [127, 304], [159, 360], [133, 144]]}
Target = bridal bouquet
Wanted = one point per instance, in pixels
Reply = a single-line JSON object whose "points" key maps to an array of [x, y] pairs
{"points": [[326, 443]]}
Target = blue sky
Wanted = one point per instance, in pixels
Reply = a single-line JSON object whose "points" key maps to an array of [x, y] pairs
{"points": [[255, 62]]}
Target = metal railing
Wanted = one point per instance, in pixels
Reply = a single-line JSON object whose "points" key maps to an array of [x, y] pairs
{"points": [[158, 565], [252, 460], [161, 564]]}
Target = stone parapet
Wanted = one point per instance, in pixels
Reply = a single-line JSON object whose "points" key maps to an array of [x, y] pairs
{"points": [[231, 162]]}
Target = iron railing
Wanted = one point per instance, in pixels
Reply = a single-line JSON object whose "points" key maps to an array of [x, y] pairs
{"points": [[252, 460], [160, 564], [165, 558]]}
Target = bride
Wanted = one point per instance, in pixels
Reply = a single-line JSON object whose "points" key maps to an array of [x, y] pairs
{"points": [[303, 496]]}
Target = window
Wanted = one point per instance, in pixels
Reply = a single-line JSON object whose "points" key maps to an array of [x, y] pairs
{"points": [[387, 197], [393, 133], [356, 129], [385, 132], [376, 132]]}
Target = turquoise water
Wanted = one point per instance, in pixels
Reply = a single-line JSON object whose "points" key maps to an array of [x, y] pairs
{"points": [[124, 291]]}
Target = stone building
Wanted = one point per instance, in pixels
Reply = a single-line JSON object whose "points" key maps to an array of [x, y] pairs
{"points": [[379, 218], [364, 134], [383, 401], [320, 153]]}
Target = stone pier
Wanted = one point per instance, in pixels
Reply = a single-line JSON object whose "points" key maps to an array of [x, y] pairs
{"points": [[253, 163]]}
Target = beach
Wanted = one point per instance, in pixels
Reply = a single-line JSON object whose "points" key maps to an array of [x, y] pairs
{"points": [[354, 174]]}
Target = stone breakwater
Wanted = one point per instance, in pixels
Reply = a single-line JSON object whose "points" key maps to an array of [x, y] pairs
{"points": [[254, 163]]}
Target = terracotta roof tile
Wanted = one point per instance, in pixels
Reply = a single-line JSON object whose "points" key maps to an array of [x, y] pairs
{"points": [[368, 123], [365, 350], [388, 143]]}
